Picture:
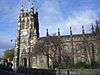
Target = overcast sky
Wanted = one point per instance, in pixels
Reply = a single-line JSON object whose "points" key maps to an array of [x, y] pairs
{"points": [[53, 14]]}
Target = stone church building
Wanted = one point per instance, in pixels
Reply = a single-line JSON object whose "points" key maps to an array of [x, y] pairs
{"points": [[78, 47]]}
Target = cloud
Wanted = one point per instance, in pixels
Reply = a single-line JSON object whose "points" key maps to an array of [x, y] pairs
{"points": [[52, 17], [79, 18], [8, 18], [53, 14], [6, 44]]}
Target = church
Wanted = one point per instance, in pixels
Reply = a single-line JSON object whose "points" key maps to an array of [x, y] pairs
{"points": [[71, 48]]}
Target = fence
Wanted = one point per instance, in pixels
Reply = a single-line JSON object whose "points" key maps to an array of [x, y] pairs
{"points": [[29, 72], [78, 72], [58, 72]]}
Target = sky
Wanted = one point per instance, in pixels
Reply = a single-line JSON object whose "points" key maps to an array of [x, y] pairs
{"points": [[53, 14]]}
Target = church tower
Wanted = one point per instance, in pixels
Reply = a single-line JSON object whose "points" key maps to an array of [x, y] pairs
{"points": [[27, 35]]}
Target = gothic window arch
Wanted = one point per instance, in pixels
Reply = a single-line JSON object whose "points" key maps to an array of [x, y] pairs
{"points": [[81, 52], [91, 45], [24, 51], [66, 48], [27, 23], [22, 24], [92, 51], [78, 47], [66, 53], [85, 51]]}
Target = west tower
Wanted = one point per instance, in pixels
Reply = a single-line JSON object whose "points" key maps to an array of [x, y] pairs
{"points": [[27, 35]]}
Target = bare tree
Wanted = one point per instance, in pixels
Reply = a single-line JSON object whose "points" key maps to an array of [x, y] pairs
{"points": [[52, 48]]}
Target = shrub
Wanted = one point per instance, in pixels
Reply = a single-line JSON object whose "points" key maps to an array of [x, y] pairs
{"points": [[80, 65]]}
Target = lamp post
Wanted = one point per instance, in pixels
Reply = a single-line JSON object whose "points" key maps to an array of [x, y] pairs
{"points": [[13, 41]]}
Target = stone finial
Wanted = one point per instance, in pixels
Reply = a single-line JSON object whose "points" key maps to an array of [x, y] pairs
{"points": [[36, 11], [83, 31], [47, 32], [58, 32], [21, 10], [70, 30], [22, 6], [92, 29], [32, 8]]}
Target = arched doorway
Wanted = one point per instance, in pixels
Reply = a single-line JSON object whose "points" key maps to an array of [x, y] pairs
{"points": [[24, 62]]}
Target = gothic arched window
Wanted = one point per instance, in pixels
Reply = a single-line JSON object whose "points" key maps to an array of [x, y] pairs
{"points": [[92, 51], [81, 52], [22, 24]]}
